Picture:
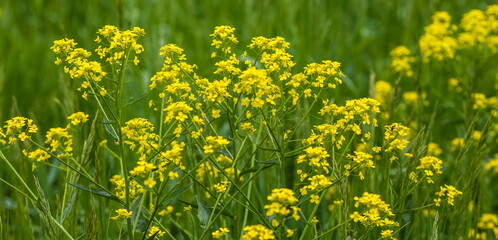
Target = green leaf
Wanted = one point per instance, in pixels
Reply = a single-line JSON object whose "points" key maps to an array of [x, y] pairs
{"points": [[174, 194], [69, 207], [108, 128], [202, 212], [139, 224], [265, 165], [98, 192], [135, 101]]}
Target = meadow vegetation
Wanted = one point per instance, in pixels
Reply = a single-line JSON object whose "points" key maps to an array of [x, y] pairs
{"points": [[383, 131]]}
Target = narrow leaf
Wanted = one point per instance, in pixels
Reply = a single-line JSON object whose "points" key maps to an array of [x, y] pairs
{"points": [[98, 192], [108, 128], [202, 212], [69, 207], [174, 194]]}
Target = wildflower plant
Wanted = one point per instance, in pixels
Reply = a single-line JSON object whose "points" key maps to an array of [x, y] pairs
{"points": [[257, 148]]}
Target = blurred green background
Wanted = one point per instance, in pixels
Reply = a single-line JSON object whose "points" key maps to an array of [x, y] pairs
{"points": [[357, 33]]}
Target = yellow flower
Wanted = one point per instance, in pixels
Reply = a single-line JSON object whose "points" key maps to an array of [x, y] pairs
{"points": [[214, 143], [18, 128], [433, 149], [431, 167], [315, 157], [215, 113], [221, 232], [257, 87], [221, 187], [488, 222], [438, 42], [59, 139], [38, 155], [387, 234], [316, 184], [323, 72], [315, 199], [457, 143], [167, 211], [395, 136], [449, 192], [122, 214], [150, 182], [401, 61], [178, 111], [77, 118], [155, 230], [375, 211], [257, 232], [492, 165], [223, 38], [383, 92]]}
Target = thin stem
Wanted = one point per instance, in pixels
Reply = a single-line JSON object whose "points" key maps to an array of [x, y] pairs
{"points": [[18, 176]]}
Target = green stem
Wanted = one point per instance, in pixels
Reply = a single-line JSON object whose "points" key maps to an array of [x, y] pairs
{"points": [[123, 163], [18, 176]]}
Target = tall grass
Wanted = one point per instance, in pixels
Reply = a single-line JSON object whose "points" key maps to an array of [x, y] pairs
{"points": [[358, 34]]}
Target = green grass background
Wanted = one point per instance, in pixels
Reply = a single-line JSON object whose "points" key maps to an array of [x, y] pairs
{"points": [[357, 33]]}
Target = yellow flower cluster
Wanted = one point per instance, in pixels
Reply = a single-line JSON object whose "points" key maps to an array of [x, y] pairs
{"points": [[492, 165], [76, 63], [315, 157], [223, 38], [413, 98], [322, 72], [479, 29], [360, 161], [273, 55], [257, 232], [283, 203], [395, 137], [401, 61], [257, 87], [78, 118], [59, 140], [155, 230], [38, 155], [172, 77], [118, 44], [448, 193], [487, 222], [17, 128], [173, 155], [215, 91], [434, 149], [483, 103], [457, 143], [214, 143], [383, 93], [122, 214], [119, 182], [431, 166], [438, 42], [375, 212], [350, 117], [316, 183], [220, 233], [140, 132]]}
